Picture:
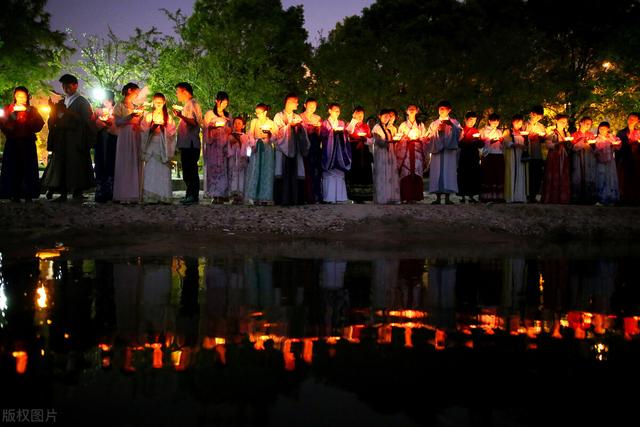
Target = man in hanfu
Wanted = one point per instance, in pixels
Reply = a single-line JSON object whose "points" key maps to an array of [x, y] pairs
{"points": [[443, 136], [72, 134], [292, 143]]}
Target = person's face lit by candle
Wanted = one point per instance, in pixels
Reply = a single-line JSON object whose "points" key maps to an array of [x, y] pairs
{"points": [[585, 126], [291, 105], [603, 131], [412, 111], [535, 117], [221, 105], [632, 121], [238, 125], [392, 118], [562, 124], [107, 104], [182, 95], [384, 118], [517, 124], [443, 112], [261, 113], [334, 112], [158, 103], [21, 98], [493, 124], [310, 107], [471, 122], [132, 94], [358, 116], [70, 88]]}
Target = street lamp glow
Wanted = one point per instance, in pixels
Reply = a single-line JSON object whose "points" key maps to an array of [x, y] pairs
{"points": [[99, 94]]}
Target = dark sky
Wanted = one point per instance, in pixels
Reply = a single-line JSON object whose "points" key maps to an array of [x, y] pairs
{"points": [[94, 16]]}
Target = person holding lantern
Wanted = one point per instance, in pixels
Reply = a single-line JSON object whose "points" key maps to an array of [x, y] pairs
{"points": [[336, 157], [492, 188], [516, 171], [606, 174], [238, 152], [628, 161], [190, 116], [469, 174], [20, 122], [556, 185], [72, 134], [412, 157], [443, 136], [536, 139], [359, 178], [105, 151], [217, 128], [127, 179], [313, 161], [292, 145], [583, 164], [385, 166], [260, 172], [158, 149]]}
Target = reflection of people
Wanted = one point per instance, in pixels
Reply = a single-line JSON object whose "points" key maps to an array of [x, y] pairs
{"points": [[21, 122], [71, 136]]}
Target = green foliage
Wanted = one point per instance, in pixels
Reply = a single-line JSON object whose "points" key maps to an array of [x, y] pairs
{"points": [[253, 50], [30, 53], [485, 55]]}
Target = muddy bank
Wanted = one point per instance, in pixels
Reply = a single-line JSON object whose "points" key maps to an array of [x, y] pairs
{"points": [[414, 229]]}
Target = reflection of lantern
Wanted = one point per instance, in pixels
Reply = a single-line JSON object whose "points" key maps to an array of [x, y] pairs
{"points": [[41, 301], [307, 351], [157, 355], [21, 361]]}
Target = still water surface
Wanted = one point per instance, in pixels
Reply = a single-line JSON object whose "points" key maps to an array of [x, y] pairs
{"points": [[243, 340]]}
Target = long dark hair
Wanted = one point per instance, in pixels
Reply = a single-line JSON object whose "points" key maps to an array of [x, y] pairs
{"points": [[222, 96], [22, 89], [165, 112]]}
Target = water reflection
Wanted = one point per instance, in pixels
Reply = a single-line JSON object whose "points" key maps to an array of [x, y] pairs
{"points": [[228, 322]]}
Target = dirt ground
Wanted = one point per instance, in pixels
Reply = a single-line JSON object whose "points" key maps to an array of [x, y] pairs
{"points": [[320, 230]]}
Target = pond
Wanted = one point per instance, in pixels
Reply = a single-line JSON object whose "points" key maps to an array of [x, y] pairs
{"points": [[370, 339]]}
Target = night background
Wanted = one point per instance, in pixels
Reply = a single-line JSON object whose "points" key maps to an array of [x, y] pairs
{"points": [[345, 314]]}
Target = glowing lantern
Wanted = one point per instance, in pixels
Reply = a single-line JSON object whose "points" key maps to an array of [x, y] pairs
{"points": [[19, 108], [362, 134], [397, 137], [45, 109], [177, 107], [99, 94], [413, 134], [1, 112], [265, 128], [219, 124]]}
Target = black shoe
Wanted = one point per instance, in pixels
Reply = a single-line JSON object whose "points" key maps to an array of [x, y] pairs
{"points": [[189, 201], [435, 202], [49, 195]]}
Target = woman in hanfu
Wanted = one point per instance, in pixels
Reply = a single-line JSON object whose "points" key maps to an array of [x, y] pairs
{"points": [[238, 151], [313, 161], [443, 137], [556, 184], [412, 157], [336, 157], [105, 151], [515, 170], [127, 172], [217, 128], [20, 122], [386, 181], [158, 149], [583, 164], [607, 187], [360, 177], [261, 170], [492, 189], [469, 174]]}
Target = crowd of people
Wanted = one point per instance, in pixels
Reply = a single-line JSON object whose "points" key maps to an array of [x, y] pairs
{"points": [[300, 158]]}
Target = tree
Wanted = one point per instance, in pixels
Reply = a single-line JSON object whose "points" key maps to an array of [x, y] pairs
{"points": [[484, 55], [110, 62], [30, 52], [254, 50]]}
